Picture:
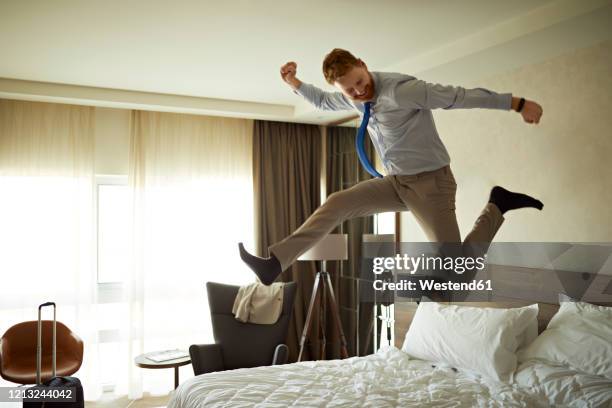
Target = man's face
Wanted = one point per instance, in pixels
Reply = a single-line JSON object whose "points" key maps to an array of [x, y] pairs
{"points": [[357, 83]]}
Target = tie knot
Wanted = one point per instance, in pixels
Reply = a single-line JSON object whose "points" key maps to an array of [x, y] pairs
{"points": [[367, 105]]}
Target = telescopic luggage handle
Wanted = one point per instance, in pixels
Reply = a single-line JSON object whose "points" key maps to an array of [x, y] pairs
{"points": [[39, 342]]}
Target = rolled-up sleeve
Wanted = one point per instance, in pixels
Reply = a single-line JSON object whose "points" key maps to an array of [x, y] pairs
{"points": [[418, 94], [332, 101]]}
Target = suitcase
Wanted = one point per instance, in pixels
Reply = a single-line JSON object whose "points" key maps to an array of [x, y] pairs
{"points": [[65, 381]]}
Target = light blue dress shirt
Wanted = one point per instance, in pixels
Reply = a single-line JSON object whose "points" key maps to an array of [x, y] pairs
{"points": [[401, 124]]}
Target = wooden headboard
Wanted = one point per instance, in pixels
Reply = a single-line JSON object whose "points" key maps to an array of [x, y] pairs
{"points": [[515, 287]]}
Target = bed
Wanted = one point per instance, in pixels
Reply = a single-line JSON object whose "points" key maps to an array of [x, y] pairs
{"points": [[392, 378], [388, 378]]}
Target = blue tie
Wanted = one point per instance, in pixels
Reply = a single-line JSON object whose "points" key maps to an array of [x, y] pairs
{"points": [[360, 142]]}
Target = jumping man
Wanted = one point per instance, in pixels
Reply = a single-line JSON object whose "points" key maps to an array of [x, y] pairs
{"points": [[418, 176]]}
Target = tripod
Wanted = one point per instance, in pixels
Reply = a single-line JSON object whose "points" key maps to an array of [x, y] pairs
{"points": [[323, 282]]}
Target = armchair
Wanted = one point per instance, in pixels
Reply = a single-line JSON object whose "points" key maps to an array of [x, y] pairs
{"points": [[237, 344]]}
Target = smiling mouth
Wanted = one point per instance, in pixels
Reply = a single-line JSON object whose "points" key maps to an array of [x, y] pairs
{"points": [[365, 93]]}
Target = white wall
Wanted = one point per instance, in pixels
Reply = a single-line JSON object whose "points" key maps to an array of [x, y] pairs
{"points": [[566, 160]]}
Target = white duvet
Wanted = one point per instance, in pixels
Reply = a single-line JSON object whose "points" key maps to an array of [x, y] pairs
{"points": [[388, 378], [564, 387]]}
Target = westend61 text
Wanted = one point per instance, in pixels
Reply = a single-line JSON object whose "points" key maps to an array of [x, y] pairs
{"points": [[430, 284]]}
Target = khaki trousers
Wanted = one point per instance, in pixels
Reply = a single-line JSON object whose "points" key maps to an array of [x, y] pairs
{"points": [[429, 195]]}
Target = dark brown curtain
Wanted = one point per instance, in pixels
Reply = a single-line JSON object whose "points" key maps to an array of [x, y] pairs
{"points": [[344, 171], [287, 177]]}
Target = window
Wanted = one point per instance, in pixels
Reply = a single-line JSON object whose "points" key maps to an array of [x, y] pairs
{"points": [[113, 223], [385, 223]]}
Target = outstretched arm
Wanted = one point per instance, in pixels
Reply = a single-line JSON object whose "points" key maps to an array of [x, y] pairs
{"points": [[317, 97], [417, 94]]}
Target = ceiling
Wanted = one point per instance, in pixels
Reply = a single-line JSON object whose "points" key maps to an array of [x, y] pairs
{"points": [[224, 57]]}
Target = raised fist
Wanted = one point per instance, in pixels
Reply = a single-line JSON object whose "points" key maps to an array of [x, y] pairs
{"points": [[288, 72], [531, 112]]}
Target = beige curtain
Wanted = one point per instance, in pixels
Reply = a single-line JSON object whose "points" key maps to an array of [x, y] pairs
{"points": [[191, 178], [286, 171], [46, 140], [47, 220]]}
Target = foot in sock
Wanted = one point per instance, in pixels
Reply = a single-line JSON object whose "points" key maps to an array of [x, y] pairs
{"points": [[266, 269], [507, 200]]}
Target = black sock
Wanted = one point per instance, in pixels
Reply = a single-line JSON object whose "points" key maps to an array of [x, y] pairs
{"points": [[507, 200], [266, 269]]}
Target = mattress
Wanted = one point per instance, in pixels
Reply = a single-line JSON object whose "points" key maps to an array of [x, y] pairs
{"points": [[388, 378]]}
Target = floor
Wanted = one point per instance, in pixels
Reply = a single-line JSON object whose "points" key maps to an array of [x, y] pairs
{"points": [[123, 402]]}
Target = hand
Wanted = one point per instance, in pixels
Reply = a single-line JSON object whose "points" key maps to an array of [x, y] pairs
{"points": [[532, 112], [288, 72]]}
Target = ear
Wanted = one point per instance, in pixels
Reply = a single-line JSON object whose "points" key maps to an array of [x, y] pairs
{"points": [[361, 64]]}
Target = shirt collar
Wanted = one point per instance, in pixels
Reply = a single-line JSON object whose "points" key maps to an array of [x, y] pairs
{"points": [[377, 85]]}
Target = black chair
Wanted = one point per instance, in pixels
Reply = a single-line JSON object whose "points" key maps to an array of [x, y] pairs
{"points": [[237, 344]]}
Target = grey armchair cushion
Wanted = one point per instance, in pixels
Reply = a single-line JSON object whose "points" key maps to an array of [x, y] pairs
{"points": [[242, 345]]}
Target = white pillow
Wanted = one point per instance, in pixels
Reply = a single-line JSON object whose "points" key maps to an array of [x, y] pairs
{"points": [[530, 333], [480, 339], [578, 336]]}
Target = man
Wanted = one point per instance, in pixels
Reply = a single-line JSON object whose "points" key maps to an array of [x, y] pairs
{"points": [[404, 135]]}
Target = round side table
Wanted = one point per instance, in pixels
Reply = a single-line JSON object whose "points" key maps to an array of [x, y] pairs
{"points": [[143, 362]]}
